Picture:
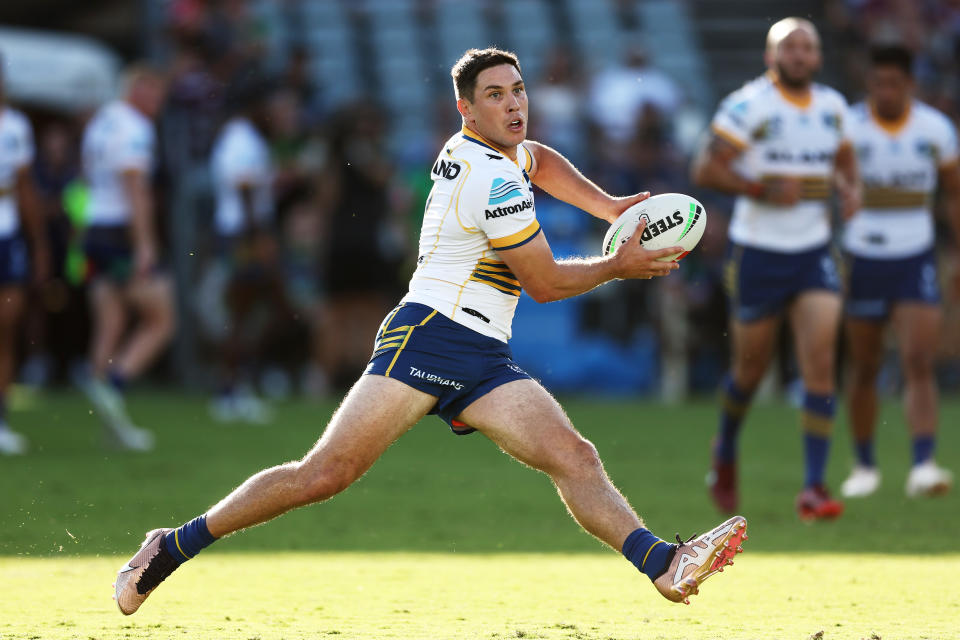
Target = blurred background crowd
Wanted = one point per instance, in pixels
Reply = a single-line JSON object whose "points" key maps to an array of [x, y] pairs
{"points": [[352, 100]]}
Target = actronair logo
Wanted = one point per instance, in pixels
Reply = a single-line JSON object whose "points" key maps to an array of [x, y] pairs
{"points": [[502, 190], [499, 212]]}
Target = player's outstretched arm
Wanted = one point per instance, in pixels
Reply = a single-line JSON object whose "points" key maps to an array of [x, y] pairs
{"points": [[557, 176], [546, 279]]}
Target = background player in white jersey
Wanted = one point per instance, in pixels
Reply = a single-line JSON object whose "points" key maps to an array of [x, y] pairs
{"points": [[246, 263], [19, 221], [122, 251], [443, 350], [906, 149], [779, 144]]}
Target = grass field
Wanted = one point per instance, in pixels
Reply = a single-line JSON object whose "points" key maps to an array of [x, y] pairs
{"points": [[448, 538]]}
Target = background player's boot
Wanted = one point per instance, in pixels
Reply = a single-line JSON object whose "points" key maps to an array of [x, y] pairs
{"points": [[143, 572], [927, 479], [699, 558], [11, 442], [862, 481], [815, 503], [722, 484]]}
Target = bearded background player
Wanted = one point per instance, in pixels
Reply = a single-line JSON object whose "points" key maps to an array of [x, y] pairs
{"points": [[444, 350], [780, 144]]}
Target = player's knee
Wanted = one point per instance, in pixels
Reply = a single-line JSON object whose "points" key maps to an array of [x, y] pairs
{"points": [[582, 457], [317, 485], [917, 364]]}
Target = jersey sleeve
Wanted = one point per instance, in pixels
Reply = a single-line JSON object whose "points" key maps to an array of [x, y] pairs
{"points": [[947, 143], [20, 144], [733, 121], [503, 210], [134, 151]]}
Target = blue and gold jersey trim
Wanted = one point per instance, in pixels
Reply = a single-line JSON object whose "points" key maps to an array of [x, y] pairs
{"points": [[517, 239], [498, 275]]}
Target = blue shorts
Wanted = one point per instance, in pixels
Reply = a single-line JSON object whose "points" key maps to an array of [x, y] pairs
{"points": [[426, 350], [14, 265], [109, 253], [762, 283], [874, 286]]}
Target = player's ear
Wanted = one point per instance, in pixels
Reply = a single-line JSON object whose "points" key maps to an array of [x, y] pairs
{"points": [[463, 106]]}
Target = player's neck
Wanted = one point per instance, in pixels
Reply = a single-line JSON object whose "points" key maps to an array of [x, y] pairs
{"points": [[798, 95], [510, 152], [890, 120]]}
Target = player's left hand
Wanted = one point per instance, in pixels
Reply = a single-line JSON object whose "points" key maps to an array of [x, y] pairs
{"points": [[850, 201], [40, 271], [622, 203]]}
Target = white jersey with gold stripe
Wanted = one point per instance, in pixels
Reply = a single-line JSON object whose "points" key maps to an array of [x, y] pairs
{"points": [[779, 137], [899, 163], [481, 201], [16, 152]]}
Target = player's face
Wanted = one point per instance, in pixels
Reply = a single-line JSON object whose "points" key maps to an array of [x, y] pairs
{"points": [[498, 110], [889, 88], [797, 58]]}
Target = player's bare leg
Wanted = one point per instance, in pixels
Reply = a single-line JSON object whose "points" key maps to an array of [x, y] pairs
{"points": [[152, 297], [109, 322], [752, 346], [11, 309], [865, 345], [815, 319], [376, 412], [918, 333], [527, 423]]}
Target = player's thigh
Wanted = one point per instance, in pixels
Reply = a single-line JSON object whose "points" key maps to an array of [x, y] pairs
{"points": [[917, 326], [524, 420], [376, 411], [151, 294], [815, 320], [753, 344], [106, 301], [865, 346]]}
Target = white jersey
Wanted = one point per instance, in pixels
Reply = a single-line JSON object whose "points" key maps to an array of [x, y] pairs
{"points": [[899, 163], [117, 139], [240, 157], [481, 201], [780, 137], [16, 152]]}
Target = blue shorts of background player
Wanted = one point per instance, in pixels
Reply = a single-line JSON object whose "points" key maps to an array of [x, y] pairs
{"points": [[14, 265], [875, 286], [762, 283], [424, 349]]}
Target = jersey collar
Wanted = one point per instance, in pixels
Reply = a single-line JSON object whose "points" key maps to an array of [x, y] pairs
{"points": [[800, 103], [892, 127], [473, 136]]}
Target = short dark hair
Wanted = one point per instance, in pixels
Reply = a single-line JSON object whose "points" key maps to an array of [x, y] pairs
{"points": [[892, 55], [468, 67]]}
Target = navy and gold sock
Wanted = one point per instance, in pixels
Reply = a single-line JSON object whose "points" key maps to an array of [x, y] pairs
{"points": [[864, 451], [735, 403], [189, 540], [817, 420], [923, 447], [648, 553]]}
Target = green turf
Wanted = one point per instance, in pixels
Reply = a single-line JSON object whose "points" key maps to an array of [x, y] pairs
{"points": [[376, 560]]}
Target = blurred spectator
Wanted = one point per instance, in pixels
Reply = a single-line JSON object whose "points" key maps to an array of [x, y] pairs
{"points": [[127, 279], [557, 117], [365, 242], [20, 220], [244, 288]]}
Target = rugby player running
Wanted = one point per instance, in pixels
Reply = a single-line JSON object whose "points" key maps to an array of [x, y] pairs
{"points": [[444, 350], [779, 144]]}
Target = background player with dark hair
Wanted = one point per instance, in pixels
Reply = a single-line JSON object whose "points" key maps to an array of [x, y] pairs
{"points": [[906, 149]]}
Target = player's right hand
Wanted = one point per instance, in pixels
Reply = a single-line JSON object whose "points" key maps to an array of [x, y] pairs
{"points": [[638, 263], [782, 190]]}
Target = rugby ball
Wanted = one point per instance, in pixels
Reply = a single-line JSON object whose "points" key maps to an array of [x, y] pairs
{"points": [[673, 219]]}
